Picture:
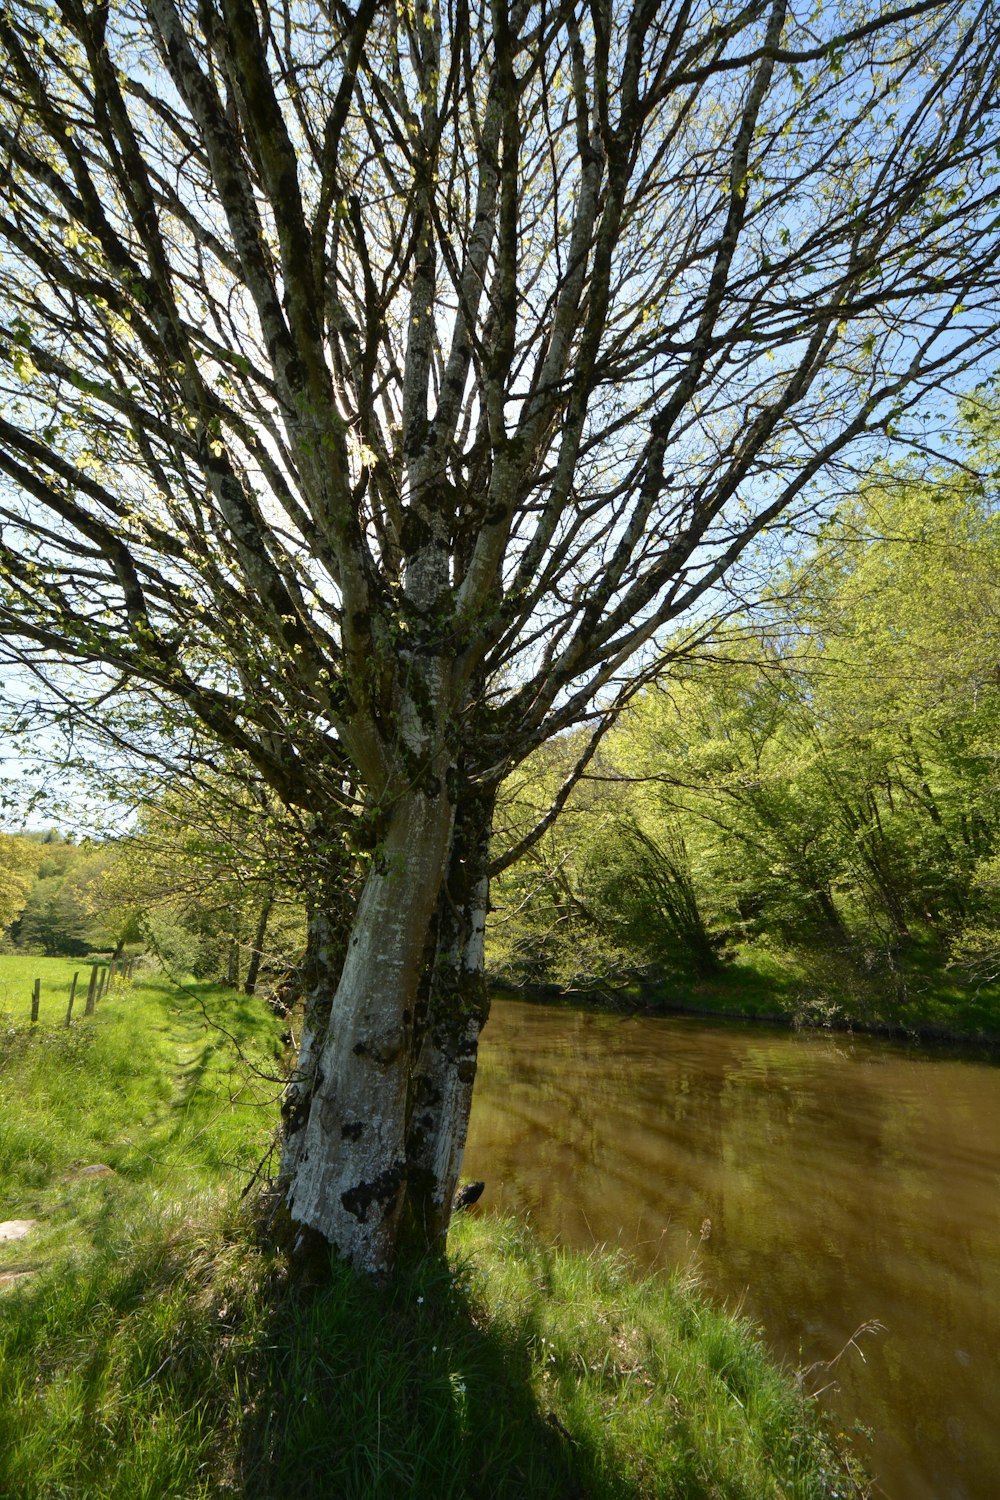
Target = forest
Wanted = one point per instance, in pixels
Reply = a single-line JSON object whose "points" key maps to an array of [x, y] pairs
{"points": [[814, 795]]}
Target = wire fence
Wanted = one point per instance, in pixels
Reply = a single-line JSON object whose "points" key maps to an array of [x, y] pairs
{"points": [[102, 976]]}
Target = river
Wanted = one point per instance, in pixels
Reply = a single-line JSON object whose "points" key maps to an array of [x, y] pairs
{"points": [[823, 1182]]}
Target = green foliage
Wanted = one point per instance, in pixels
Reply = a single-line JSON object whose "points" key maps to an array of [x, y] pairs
{"points": [[542, 929], [206, 877], [218, 867], [640, 887], [19, 862], [826, 782], [83, 899], [170, 941], [52, 920]]}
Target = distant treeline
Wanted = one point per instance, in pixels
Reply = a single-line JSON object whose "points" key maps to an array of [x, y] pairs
{"points": [[190, 884]]}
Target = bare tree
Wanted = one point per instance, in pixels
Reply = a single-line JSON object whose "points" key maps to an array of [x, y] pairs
{"points": [[380, 383]]}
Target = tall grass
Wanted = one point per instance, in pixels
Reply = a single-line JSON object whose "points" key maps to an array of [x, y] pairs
{"points": [[158, 1349], [149, 1086]]}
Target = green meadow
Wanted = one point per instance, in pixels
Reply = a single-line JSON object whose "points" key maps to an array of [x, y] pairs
{"points": [[17, 977]]}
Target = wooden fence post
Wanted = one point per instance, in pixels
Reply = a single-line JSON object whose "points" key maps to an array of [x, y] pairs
{"points": [[102, 982], [88, 1009], [36, 995], [72, 997]]}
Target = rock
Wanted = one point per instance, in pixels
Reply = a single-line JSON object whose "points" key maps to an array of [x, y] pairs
{"points": [[7, 1278], [468, 1193], [97, 1169], [16, 1229]]}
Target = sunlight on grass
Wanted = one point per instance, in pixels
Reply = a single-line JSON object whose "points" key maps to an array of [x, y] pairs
{"points": [[17, 976], [147, 1087]]}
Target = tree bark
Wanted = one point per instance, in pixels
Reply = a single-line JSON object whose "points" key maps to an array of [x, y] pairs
{"points": [[233, 963], [257, 951], [453, 1008], [829, 915], [345, 1155], [395, 999]]}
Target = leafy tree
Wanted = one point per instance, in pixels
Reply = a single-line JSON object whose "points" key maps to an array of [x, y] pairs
{"points": [[19, 861], [834, 781], [53, 919], [223, 866], [70, 907], [907, 696], [544, 928], [104, 897], [607, 893], [643, 887], [380, 384]]}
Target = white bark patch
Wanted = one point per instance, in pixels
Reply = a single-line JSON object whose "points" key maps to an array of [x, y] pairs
{"points": [[475, 948], [348, 1180]]}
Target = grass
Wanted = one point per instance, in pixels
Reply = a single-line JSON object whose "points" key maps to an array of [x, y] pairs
{"points": [[18, 974], [159, 1350], [148, 1088]]}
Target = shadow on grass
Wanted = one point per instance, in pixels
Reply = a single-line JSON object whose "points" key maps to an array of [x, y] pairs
{"points": [[374, 1393], [191, 1369]]}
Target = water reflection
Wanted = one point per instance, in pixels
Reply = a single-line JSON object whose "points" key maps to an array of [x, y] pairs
{"points": [[844, 1180]]}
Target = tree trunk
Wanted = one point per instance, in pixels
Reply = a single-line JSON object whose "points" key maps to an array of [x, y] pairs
{"points": [[233, 964], [345, 1155], [329, 912], [829, 915], [453, 1008], [257, 951]]}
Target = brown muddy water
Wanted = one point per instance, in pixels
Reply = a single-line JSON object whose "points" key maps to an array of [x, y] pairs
{"points": [[845, 1180]]}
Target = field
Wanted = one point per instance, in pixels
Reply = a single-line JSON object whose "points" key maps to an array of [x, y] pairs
{"points": [[153, 1347], [17, 976], [149, 1087]]}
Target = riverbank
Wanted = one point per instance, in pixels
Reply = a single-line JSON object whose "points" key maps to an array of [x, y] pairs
{"points": [[149, 1346], [916, 999], [828, 1184]]}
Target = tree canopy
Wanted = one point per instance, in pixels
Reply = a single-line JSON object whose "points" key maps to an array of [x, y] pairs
{"points": [[19, 861], [342, 340]]}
